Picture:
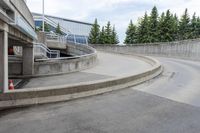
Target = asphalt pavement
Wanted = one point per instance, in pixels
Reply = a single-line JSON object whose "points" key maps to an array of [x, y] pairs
{"points": [[167, 104]]}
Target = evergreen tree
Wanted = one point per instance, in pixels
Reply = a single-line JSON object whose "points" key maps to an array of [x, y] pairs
{"points": [[108, 33], [131, 35], [184, 24], [161, 25], [168, 27], [193, 27], [94, 33], [198, 27], [46, 27], [175, 24], [153, 25], [58, 30], [143, 30], [102, 36], [114, 36]]}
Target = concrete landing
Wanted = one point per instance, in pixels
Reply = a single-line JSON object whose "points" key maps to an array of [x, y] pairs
{"points": [[109, 66]]}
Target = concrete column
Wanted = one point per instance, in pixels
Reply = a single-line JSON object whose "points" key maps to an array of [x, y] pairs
{"points": [[3, 61], [28, 60], [41, 38]]}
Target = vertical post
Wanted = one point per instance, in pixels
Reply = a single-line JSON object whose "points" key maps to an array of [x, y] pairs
{"points": [[4, 61], [74, 39], [86, 40], [43, 15], [28, 60]]}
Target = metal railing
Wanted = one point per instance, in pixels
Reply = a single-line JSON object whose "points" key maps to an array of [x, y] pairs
{"points": [[69, 38], [51, 23], [92, 52], [42, 51]]}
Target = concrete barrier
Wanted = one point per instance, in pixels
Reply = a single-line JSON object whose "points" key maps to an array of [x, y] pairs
{"points": [[33, 96], [84, 57], [187, 49], [64, 65]]}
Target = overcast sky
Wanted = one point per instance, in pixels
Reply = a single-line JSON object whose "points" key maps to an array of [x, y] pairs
{"points": [[119, 12]]}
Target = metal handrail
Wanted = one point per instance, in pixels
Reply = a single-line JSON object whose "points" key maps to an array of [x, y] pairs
{"points": [[53, 23], [94, 52], [42, 50], [62, 39]]}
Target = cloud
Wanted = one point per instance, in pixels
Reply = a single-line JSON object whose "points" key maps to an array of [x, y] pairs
{"points": [[119, 12]]}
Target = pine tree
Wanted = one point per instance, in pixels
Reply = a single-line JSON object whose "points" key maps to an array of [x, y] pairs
{"points": [[193, 27], [143, 30], [153, 25], [168, 27], [114, 36], [175, 24], [94, 33], [161, 25], [58, 30], [198, 27], [184, 24], [131, 35], [102, 36], [46, 27], [108, 33]]}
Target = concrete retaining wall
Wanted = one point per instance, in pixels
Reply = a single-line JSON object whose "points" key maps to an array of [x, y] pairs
{"points": [[64, 66], [50, 94], [86, 57], [188, 49], [73, 49]]}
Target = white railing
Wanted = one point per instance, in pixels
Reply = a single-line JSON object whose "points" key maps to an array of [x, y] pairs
{"points": [[42, 51], [64, 39], [56, 37]]}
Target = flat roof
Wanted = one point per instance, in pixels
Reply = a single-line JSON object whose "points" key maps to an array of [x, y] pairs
{"points": [[70, 20]]}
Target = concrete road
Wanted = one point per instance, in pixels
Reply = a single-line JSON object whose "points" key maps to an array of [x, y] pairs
{"points": [[109, 66], [169, 104], [179, 82]]}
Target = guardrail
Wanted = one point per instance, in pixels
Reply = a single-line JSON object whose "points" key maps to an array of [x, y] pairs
{"points": [[86, 51], [42, 51], [69, 38]]}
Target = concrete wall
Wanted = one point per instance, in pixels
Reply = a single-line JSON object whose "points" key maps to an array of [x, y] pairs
{"points": [[24, 11], [79, 50], [15, 68], [54, 67], [188, 49], [86, 57]]}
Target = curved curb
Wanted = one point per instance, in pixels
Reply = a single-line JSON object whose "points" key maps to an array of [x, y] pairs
{"points": [[34, 96]]}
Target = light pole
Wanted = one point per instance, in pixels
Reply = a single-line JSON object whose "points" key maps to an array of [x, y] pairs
{"points": [[43, 15]]}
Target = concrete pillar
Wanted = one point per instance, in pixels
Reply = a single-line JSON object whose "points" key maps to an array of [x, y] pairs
{"points": [[28, 60], [41, 38], [3, 61]]}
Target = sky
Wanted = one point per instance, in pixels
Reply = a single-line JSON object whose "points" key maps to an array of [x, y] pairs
{"points": [[118, 12]]}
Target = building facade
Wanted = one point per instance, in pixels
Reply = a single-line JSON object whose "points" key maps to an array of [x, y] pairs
{"points": [[75, 31]]}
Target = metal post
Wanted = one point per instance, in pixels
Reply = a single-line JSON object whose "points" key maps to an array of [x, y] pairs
{"points": [[43, 15], [74, 39], [86, 40]]}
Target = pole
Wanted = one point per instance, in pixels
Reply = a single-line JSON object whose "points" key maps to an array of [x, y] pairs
{"points": [[43, 15]]}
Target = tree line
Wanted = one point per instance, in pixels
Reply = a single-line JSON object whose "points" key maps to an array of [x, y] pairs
{"points": [[107, 34], [150, 28], [164, 28]]}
